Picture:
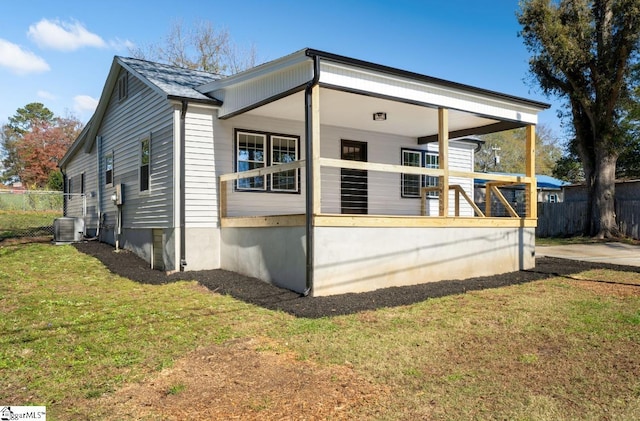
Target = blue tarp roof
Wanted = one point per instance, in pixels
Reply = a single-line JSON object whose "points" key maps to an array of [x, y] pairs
{"points": [[544, 181]]}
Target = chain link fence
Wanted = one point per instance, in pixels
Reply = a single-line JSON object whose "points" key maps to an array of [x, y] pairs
{"points": [[29, 214]]}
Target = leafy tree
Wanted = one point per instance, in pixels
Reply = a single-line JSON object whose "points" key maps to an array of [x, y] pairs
{"points": [[203, 47], [55, 181], [11, 134], [629, 160], [568, 168], [508, 146], [583, 51], [34, 141], [26, 117]]}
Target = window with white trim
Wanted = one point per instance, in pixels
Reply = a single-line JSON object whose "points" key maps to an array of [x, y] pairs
{"points": [[145, 163], [284, 150], [249, 156], [412, 183], [258, 150]]}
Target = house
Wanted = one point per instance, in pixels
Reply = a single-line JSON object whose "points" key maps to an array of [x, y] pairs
{"points": [[549, 190], [317, 172]]}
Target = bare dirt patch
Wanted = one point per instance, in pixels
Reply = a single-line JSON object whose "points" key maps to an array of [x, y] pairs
{"points": [[251, 380], [610, 289], [248, 380]]}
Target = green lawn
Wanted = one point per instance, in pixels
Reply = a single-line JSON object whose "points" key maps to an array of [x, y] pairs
{"points": [[26, 223], [559, 349]]}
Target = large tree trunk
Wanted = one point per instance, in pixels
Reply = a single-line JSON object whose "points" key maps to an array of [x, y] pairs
{"points": [[602, 197]]}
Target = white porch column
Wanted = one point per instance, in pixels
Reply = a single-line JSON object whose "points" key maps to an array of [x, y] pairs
{"points": [[443, 160], [315, 159]]}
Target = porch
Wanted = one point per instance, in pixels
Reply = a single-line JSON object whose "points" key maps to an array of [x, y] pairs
{"points": [[361, 220]]}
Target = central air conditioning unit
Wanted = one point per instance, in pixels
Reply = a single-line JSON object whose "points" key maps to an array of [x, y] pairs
{"points": [[68, 230]]}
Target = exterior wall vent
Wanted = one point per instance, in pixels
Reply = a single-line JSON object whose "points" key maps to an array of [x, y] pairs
{"points": [[68, 230]]}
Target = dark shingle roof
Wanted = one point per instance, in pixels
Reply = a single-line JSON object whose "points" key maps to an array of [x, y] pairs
{"points": [[173, 81]]}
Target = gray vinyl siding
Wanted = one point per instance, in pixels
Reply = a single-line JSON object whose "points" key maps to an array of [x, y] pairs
{"points": [[257, 203], [83, 163], [261, 87], [124, 124], [384, 189], [201, 205]]}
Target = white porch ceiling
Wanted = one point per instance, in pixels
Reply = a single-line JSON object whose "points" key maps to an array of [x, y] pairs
{"points": [[342, 109]]}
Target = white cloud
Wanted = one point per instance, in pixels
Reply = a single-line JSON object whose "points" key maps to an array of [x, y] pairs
{"points": [[46, 95], [63, 36], [20, 61], [84, 103], [119, 44]]}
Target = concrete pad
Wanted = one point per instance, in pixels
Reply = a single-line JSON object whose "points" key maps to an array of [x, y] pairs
{"points": [[613, 253]]}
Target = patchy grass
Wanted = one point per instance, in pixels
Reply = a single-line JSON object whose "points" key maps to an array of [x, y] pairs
{"points": [[562, 241], [559, 349]]}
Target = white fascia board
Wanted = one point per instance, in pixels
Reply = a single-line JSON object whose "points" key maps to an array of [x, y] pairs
{"points": [[348, 77]]}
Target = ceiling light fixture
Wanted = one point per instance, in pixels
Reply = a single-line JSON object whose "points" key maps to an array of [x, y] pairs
{"points": [[379, 116]]}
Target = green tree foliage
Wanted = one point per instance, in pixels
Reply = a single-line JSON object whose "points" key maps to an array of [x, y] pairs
{"points": [[33, 141], [55, 181], [12, 133], [201, 46], [584, 51], [508, 146], [568, 168], [629, 160]]}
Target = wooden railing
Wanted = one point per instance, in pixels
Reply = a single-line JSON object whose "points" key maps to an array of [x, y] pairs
{"points": [[494, 181]]}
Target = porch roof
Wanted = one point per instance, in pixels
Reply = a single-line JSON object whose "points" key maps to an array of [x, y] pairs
{"points": [[353, 90]]}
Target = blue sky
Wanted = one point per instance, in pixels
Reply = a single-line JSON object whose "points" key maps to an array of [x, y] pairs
{"points": [[59, 52]]}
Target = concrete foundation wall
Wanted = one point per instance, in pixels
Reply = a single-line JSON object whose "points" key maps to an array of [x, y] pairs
{"points": [[275, 254], [202, 248], [359, 259], [138, 241]]}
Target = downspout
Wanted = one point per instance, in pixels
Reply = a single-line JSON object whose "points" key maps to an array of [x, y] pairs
{"points": [[183, 234], [308, 115], [98, 189], [64, 190]]}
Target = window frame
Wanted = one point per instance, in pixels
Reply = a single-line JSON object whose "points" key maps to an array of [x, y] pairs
{"points": [[249, 162], [427, 159], [141, 158], [109, 169], [296, 154], [268, 160], [123, 86]]}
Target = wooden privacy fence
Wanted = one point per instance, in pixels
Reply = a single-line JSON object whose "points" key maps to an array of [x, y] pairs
{"points": [[565, 219]]}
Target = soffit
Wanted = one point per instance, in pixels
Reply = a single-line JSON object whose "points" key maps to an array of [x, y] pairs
{"points": [[355, 111]]}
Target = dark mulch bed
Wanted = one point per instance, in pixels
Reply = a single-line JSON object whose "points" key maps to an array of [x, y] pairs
{"points": [[255, 291]]}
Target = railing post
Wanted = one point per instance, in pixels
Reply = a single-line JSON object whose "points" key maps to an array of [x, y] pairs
{"points": [[531, 190], [223, 198]]}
